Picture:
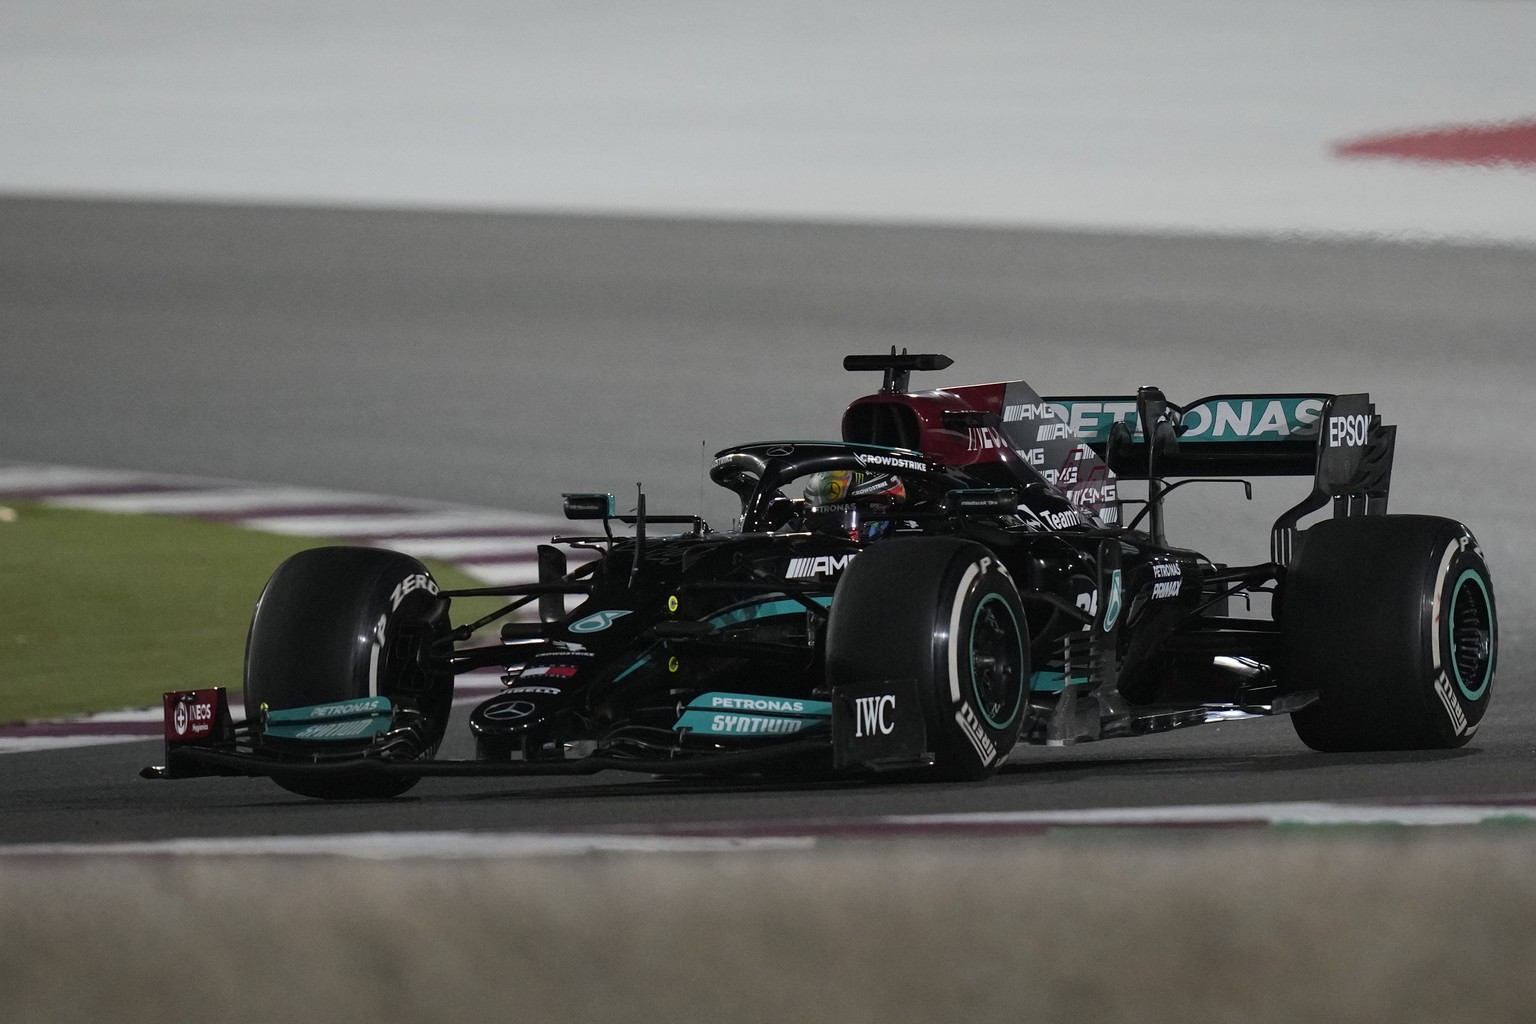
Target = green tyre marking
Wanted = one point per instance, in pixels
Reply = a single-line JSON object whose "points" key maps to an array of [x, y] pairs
{"points": [[1475, 577], [1019, 647]]}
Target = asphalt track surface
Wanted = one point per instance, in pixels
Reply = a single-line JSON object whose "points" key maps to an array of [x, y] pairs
{"points": [[501, 359]]}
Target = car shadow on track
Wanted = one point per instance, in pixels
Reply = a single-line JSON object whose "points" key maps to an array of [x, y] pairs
{"points": [[1228, 764], [669, 787], [1029, 773]]}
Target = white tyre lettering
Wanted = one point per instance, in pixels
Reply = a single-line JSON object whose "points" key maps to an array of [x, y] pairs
{"points": [[971, 572]]}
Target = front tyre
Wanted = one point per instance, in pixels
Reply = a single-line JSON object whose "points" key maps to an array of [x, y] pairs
{"points": [[1392, 619], [340, 623], [945, 614]]}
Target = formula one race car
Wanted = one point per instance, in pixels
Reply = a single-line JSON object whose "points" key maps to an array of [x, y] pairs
{"points": [[951, 579]]}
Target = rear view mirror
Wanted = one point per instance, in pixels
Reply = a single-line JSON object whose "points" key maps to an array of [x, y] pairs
{"points": [[589, 506]]}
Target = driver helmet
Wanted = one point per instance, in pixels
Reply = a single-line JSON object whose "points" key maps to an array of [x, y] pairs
{"points": [[838, 498], [843, 486]]}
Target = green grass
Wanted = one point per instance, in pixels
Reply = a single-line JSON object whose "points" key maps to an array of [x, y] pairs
{"points": [[101, 611]]}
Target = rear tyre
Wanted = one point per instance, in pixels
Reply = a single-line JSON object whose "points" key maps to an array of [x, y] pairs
{"points": [[340, 623], [1392, 619], [944, 613]]}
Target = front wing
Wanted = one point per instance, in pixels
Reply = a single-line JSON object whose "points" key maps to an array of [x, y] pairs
{"points": [[202, 739]]}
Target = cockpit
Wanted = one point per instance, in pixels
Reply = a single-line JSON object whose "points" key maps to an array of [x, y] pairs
{"points": [[849, 490]]}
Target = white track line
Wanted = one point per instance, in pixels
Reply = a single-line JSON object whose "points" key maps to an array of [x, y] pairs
{"points": [[502, 574], [216, 500], [400, 524], [35, 478], [146, 714], [1302, 813], [399, 845], [461, 549], [35, 744], [789, 836]]}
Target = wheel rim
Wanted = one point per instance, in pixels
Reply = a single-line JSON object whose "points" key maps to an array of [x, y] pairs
{"points": [[1471, 624], [997, 662]]}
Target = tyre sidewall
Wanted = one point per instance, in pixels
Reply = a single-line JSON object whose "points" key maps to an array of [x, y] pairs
{"points": [[325, 625], [891, 621], [1368, 623], [332, 624], [1454, 703], [975, 733]]}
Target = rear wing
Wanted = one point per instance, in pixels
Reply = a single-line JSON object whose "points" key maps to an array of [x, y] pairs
{"points": [[1338, 440], [1086, 444], [1223, 435]]}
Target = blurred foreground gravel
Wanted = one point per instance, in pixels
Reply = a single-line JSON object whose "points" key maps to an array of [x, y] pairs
{"points": [[1369, 925]]}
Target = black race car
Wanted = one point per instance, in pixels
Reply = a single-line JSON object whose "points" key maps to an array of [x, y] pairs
{"points": [[951, 579]]}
